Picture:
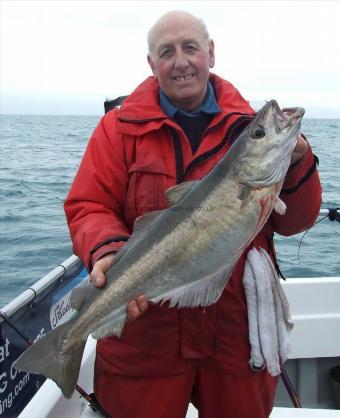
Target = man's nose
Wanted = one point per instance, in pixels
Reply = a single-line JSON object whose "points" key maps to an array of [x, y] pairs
{"points": [[181, 60]]}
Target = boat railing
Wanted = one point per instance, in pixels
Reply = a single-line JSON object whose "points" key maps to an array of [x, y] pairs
{"points": [[70, 263], [38, 287], [46, 304]]}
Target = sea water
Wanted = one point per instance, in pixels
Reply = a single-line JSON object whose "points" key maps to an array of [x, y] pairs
{"points": [[39, 158]]}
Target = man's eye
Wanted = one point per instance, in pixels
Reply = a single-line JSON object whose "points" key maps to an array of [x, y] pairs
{"points": [[165, 53], [190, 48]]}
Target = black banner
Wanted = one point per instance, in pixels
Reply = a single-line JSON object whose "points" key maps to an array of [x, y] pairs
{"points": [[49, 309]]}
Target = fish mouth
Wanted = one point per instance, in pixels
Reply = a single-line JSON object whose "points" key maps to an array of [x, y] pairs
{"points": [[284, 120], [281, 127], [287, 118]]}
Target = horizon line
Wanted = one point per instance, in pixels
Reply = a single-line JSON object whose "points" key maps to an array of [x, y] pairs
{"points": [[102, 114]]}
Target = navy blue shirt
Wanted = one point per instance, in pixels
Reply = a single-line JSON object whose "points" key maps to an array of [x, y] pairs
{"points": [[193, 123], [208, 106]]}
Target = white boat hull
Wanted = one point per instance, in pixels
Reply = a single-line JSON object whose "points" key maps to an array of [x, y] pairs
{"points": [[316, 335]]}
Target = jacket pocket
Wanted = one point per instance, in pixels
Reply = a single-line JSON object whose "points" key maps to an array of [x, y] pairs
{"points": [[149, 177]]}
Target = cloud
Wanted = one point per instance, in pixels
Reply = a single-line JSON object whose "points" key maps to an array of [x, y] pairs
{"points": [[57, 53]]}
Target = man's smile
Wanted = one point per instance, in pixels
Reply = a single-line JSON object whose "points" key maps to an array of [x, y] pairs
{"points": [[183, 77]]}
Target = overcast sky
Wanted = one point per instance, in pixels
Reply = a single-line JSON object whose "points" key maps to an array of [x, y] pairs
{"points": [[66, 57]]}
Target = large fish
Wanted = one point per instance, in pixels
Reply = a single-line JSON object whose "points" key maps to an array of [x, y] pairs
{"points": [[184, 254]]}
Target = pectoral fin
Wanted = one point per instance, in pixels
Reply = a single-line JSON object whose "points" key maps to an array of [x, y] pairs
{"points": [[280, 206], [176, 193], [245, 195]]}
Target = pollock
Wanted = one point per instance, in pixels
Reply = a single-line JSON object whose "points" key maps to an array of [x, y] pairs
{"points": [[184, 254]]}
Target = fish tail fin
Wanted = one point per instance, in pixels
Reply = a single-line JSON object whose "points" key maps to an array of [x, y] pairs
{"points": [[46, 357]]}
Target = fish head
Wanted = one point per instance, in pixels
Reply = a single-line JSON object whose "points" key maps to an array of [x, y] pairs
{"points": [[268, 144]]}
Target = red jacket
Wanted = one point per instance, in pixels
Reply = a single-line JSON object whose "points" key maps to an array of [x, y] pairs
{"points": [[134, 155]]}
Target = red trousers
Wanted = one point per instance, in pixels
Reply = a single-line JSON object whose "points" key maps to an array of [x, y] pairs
{"points": [[213, 393]]}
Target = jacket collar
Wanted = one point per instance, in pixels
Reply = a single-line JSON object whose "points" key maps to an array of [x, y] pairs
{"points": [[209, 105], [141, 111]]}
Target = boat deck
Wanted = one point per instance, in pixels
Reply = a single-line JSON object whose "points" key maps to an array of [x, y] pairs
{"points": [[277, 413], [49, 399], [304, 413], [319, 312]]}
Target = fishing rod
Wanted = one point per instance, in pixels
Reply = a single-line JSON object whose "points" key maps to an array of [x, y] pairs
{"points": [[90, 398], [290, 388], [333, 214]]}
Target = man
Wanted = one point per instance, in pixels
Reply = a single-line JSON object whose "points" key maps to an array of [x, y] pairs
{"points": [[175, 127]]}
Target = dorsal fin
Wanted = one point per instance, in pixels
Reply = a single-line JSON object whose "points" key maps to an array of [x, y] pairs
{"points": [[142, 225], [245, 195], [176, 193], [244, 192]]}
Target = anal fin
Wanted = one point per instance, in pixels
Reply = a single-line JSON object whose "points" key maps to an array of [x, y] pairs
{"points": [[203, 292], [110, 326]]}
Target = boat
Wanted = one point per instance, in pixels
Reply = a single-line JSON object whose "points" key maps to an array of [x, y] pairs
{"points": [[313, 366]]}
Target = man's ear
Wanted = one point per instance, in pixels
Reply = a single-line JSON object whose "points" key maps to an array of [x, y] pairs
{"points": [[211, 53], [152, 65]]}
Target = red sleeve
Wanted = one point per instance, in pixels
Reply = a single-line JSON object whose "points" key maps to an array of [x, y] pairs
{"points": [[94, 205], [301, 193]]}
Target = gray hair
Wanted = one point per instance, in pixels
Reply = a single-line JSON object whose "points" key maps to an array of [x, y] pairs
{"points": [[199, 20]]}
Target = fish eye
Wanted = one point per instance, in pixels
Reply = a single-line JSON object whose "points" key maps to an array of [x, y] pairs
{"points": [[258, 132]]}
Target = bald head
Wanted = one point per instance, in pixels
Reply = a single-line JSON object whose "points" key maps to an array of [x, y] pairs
{"points": [[180, 57], [172, 20]]}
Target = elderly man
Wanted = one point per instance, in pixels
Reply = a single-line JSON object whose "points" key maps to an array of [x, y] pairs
{"points": [[175, 127]]}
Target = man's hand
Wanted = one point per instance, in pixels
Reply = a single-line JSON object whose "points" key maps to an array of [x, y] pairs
{"points": [[299, 150], [101, 266], [137, 306]]}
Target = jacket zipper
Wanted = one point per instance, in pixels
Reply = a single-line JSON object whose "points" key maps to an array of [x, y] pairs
{"points": [[211, 153]]}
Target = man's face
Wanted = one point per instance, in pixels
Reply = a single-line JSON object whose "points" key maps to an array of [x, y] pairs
{"points": [[180, 58]]}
